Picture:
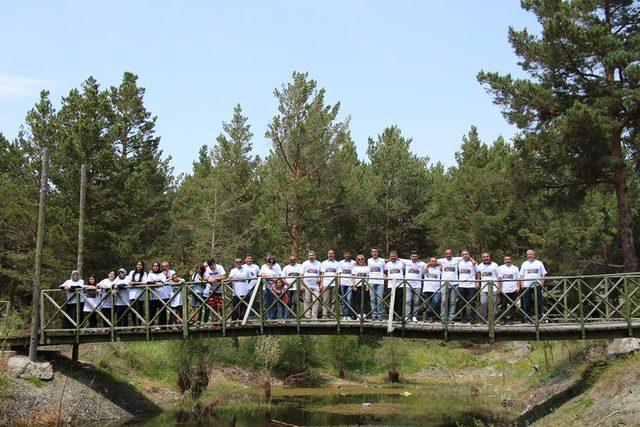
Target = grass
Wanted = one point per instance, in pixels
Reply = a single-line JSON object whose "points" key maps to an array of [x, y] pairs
{"points": [[36, 382]]}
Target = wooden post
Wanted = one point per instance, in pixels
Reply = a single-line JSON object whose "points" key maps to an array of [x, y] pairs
{"points": [[35, 303], [80, 263]]}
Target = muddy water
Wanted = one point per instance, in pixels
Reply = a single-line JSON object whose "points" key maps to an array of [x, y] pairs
{"points": [[339, 409]]}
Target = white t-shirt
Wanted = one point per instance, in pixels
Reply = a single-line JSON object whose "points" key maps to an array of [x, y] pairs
{"points": [[532, 271], [311, 272], [105, 285], [91, 299], [466, 274], [176, 300], [413, 273], [395, 273], [157, 292], [252, 272], [361, 272], [377, 268], [432, 284], [488, 273], [121, 296], [329, 269], [239, 275], [136, 291], [450, 269], [273, 271], [292, 271], [75, 285], [346, 269], [509, 275], [216, 273]]}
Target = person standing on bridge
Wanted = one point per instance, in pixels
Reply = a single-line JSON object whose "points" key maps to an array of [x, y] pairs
{"points": [[213, 276], [91, 301], [291, 272], [377, 275], [468, 287], [106, 286], [121, 298], [253, 271], [395, 280], [269, 271], [137, 282], [198, 290], [156, 279], [72, 287], [449, 267], [311, 286], [169, 290], [431, 289], [488, 276], [345, 270], [239, 275], [508, 279], [361, 272], [532, 274], [329, 269], [414, 272]]}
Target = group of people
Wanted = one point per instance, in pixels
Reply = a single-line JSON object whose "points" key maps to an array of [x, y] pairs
{"points": [[446, 289]]}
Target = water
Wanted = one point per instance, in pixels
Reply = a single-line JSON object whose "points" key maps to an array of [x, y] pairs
{"points": [[338, 409]]}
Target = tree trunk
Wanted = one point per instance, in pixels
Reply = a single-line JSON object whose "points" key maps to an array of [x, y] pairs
{"points": [[624, 211]]}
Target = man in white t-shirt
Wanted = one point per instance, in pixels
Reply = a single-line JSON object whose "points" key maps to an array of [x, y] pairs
{"points": [[239, 276], [449, 277], [413, 274], [377, 274], [468, 287], [253, 270], [329, 287], [431, 289], [346, 284], [395, 279], [272, 299], [508, 275], [488, 276], [292, 272], [532, 273], [311, 286], [213, 276]]}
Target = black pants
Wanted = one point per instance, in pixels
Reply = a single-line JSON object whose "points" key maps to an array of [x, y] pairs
{"points": [[528, 304], [467, 295], [106, 312], [239, 308], [155, 306], [70, 309], [507, 301], [92, 319], [121, 315], [359, 300]]}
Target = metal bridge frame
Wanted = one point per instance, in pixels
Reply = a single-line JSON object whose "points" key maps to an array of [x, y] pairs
{"points": [[580, 307]]}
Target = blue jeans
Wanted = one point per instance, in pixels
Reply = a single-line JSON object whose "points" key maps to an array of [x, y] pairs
{"points": [[377, 304], [346, 292], [411, 301], [269, 300], [433, 302], [450, 298], [528, 305]]}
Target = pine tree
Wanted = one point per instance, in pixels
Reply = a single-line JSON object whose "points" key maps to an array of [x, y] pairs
{"points": [[580, 111]]}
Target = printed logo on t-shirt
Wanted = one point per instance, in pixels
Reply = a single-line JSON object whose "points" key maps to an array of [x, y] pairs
{"points": [[330, 270], [312, 270], [394, 271], [346, 271], [375, 269], [532, 271], [486, 274], [414, 271], [433, 276], [450, 269], [294, 274], [362, 274], [465, 271], [508, 276]]}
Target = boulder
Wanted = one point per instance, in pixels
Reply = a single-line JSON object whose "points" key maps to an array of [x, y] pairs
{"points": [[622, 346], [22, 367]]}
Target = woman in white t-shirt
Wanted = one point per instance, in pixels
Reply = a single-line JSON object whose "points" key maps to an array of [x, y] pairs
{"points": [[121, 299], [270, 269], [137, 285], [198, 290], [73, 288], [360, 286], [155, 280], [105, 286], [91, 301], [176, 283]]}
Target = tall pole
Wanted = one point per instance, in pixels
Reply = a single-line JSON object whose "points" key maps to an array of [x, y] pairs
{"points": [[35, 303], [80, 263]]}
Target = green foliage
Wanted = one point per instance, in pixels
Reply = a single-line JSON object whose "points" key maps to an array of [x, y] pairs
{"points": [[392, 353], [36, 382]]}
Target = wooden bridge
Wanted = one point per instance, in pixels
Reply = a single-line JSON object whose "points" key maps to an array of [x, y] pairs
{"points": [[579, 307]]}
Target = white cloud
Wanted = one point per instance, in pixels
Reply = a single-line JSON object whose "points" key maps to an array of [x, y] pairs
{"points": [[19, 86]]}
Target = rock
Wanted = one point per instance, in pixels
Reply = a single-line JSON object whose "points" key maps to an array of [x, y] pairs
{"points": [[7, 353], [22, 367], [507, 401], [622, 346]]}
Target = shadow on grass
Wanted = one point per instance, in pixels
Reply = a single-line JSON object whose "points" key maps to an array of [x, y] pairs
{"points": [[119, 392]]}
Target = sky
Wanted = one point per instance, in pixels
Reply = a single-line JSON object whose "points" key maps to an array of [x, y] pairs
{"points": [[406, 63]]}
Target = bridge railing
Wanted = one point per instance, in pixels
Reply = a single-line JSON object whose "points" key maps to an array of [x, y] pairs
{"points": [[340, 300]]}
